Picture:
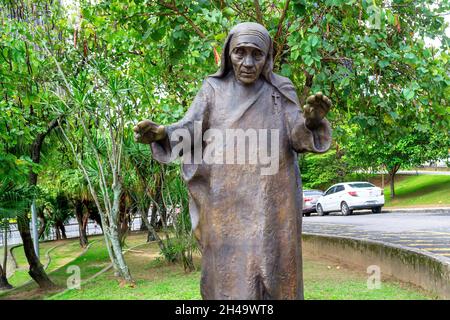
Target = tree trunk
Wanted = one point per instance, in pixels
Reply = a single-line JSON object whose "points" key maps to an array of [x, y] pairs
{"points": [[42, 222], [159, 208], [5, 249], [4, 284], [93, 213], [83, 236], [154, 216], [392, 177], [152, 234], [150, 225], [143, 226], [62, 228], [63, 232], [82, 220], [117, 251], [113, 232], [57, 233], [124, 219], [392, 173], [36, 270]]}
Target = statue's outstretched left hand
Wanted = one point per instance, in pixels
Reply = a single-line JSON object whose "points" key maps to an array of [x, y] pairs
{"points": [[316, 108]]}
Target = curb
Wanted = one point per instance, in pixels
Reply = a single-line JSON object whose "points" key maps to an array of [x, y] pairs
{"points": [[445, 210], [47, 255], [426, 270], [16, 266]]}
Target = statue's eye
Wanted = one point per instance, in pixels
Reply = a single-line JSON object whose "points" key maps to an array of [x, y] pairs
{"points": [[258, 54], [239, 52]]}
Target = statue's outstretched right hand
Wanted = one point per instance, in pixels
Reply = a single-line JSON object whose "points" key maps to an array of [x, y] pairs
{"points": [[147, 132]]}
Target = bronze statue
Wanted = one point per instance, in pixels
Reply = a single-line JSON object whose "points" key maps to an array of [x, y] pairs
{"points": [[247, 221]]}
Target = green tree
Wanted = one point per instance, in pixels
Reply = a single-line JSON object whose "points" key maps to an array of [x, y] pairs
{"points": [[14, 204]]}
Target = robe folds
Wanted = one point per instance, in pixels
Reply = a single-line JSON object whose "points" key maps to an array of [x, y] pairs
{"points": [[248, 224]]}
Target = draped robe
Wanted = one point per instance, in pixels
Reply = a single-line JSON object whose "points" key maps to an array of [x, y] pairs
{"points": [[248, 225]]}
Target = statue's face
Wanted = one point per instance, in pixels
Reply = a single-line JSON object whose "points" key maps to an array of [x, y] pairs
{"points": [[248, 63]]}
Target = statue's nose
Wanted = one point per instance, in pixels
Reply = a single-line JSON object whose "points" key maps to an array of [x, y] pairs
{"points": [[248, 61]]}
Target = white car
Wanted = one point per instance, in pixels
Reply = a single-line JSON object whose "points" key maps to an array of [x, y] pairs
{"points": [[348, 196], [310, 198]]}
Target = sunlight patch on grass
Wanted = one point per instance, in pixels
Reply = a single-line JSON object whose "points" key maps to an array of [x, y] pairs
{"points": [[421, 190]]}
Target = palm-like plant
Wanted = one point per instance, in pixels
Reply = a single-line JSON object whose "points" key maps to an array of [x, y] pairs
{"points": [[14, 203]]}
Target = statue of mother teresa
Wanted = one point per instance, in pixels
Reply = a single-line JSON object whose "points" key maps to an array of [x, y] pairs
{"points": [[245, 198]]}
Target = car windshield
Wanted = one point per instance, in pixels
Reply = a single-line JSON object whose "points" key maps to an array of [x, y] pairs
{"points": [[361, 185]]}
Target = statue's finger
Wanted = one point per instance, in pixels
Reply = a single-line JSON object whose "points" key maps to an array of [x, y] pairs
{"points": [[319, 95], [139, 126], [144, 124], [137, 137], [136, 129], [160, 129], [307, 108], [327, 101], [311, 99], [147, 127]]}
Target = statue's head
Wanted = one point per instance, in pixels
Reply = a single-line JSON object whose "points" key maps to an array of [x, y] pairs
{"points": [[248, 52]]}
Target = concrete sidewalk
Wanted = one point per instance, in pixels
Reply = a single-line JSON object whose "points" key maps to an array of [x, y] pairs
{"points": [[417, 210]]}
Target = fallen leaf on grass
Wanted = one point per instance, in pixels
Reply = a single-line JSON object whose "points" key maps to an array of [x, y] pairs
{"points": [[126, 284]]}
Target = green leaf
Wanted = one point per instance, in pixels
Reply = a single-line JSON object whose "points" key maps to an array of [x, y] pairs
{"points": [[314, 40], [220, 36], [295, 54], [299, 7], [411, 57], [408, 94], [286, 70], [308, 60], [383, 63]]}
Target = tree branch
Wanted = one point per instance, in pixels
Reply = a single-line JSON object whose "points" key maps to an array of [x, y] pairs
{"points": [[174, 8], [306, 88], [280, 24], [259, 17]]}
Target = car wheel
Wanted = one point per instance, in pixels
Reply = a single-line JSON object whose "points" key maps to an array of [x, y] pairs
{"points": [[376, 210], [345, 210], [319, 210]]}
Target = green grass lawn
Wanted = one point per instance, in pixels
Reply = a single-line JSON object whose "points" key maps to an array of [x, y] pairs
{"points": [[155, 279], [421, 190], [61, 252], [91, 262], [323, 280]]}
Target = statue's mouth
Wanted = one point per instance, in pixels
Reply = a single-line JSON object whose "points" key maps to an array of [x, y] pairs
{"points": [[247, 74]]}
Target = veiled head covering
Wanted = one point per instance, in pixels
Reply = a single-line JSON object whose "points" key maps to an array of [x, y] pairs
{"points": [[256, 34], [255, 38]]}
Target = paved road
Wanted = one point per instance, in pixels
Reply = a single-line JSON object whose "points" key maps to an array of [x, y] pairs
{"points": [[428, 232]]}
